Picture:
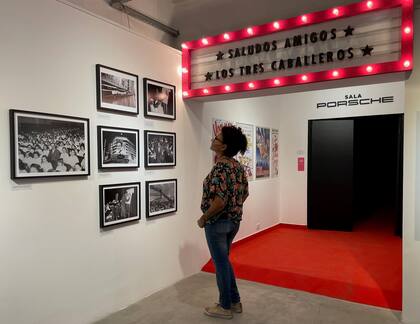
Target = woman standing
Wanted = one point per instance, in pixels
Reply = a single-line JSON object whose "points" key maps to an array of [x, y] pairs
{"points": [[224, 191]]}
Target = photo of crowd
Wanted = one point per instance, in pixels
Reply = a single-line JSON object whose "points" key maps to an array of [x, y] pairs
{"points": [[119, 203], [160, 148], [161, 197], [160, 99], [50, 146]]}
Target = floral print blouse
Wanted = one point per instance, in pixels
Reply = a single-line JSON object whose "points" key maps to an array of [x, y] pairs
{"points": [[228, 180]]}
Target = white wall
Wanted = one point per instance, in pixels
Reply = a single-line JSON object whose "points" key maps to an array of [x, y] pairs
{"points": [[57, 266], [295, 111], [290, 114], [411, 244]]}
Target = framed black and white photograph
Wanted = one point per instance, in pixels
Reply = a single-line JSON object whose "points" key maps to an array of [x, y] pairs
{"points": [[119, 203], [159, 149], [117, 90], [161, 197], [48, 145], [118, 148], [159, 99]]}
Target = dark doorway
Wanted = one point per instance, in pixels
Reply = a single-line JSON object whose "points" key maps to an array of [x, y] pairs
{"points": [[355, 172]]}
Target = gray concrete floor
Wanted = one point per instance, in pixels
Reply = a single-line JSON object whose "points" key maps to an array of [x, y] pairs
{"points": [[183, 303]]}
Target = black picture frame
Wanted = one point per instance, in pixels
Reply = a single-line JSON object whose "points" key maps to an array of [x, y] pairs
{"points": [[36, 151], [167, 156], [152, 209], [113, 210], [111, 84], [159, 99], [115, 159]]}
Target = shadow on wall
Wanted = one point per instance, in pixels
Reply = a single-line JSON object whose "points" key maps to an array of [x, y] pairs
{"points": [[192, 254]]}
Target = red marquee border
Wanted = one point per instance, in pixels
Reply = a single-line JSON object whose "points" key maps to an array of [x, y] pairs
{"points": [[404, 64]]}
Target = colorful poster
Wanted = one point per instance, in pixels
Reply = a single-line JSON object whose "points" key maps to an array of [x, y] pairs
{"points": [[262, 144], [247, 160], [217, 126], [274, 152]]}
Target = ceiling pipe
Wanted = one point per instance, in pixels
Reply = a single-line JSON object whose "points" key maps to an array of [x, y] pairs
{"points": [[120, 5]]}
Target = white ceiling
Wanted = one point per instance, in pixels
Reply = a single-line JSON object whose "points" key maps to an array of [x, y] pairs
{"points": [[197, 18]]}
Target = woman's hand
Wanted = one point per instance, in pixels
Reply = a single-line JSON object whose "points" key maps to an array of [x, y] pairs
{"points": [[201, 222]]}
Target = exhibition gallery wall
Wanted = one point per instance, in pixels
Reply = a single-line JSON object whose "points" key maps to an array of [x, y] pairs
{"points": [[86, 240]]}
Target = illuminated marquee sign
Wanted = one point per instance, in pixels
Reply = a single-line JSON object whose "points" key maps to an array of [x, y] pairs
{"points": [[366, 38]]}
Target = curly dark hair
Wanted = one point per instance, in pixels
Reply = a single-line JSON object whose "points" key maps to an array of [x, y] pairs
{"points": [[234, 140]]}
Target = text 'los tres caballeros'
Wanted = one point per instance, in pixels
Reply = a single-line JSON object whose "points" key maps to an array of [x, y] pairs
{"points": [[289, 63]]}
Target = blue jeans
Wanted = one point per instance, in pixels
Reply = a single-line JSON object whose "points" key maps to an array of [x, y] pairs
{"points": [[219, 237]]}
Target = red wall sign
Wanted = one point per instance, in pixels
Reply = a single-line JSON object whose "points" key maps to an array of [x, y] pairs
{"points": [[365, 38], [301, 164]]}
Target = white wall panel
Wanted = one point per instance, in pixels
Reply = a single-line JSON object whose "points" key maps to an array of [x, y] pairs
{"points": [[290, 114], [411, 244], [57, 265]]}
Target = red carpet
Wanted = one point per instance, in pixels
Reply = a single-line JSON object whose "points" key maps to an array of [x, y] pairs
{"points": [[363, 266]]}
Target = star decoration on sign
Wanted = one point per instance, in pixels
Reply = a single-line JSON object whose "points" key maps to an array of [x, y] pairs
{"points": [[367, 50], [220, 55], [208, 76], [349, 31]]}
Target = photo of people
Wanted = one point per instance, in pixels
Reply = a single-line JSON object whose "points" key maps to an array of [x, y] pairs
{"points": [[262, 144], [161, 197], [160, 149], [118, 147], [49, 145], [116, 89], [159, 99], [119, 203]]}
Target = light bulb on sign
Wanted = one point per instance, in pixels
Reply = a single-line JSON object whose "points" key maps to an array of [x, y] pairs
{"points": [[407, 63], [335, 74], [369, 4], [185, 93], [304, 77], [336, 12], [304, 18], [369, 69], [276, 25], [407, 30], [206, 91], [226, 36], [276, 81], [250, 31], [184, 70], [227, 88], [204, 41], [184, 46], [251, 85]]}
